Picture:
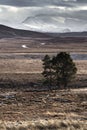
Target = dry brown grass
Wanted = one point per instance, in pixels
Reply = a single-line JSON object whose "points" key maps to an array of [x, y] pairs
{"points": [[26, 110], [81, 66], [32, 66], [24, 105], [41, 124], [20, 66], [34, 45], [24, 71]]}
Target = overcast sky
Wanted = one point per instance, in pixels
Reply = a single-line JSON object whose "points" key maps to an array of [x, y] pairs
{"points": [[45, 15]]}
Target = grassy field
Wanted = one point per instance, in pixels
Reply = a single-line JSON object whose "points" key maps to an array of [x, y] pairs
{"points": [[56, 110], [26, 106], [34, 45], [24, 103], [33, 66], [23, 71]]}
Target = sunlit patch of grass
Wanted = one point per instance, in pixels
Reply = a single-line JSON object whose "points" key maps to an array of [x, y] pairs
{"points": [[2, 125], [51, 124]]}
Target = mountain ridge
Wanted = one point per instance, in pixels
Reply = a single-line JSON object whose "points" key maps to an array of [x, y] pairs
{"points": [[9, 32]]}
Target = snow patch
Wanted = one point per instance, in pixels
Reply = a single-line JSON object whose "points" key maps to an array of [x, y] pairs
{"points": [[24, 46], [43, 43]]}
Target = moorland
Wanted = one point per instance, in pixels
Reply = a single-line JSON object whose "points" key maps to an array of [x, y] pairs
{"points": [[26, 104]]}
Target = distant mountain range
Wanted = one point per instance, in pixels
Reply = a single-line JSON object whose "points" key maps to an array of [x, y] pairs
{"points": [[8, 32], [69, 34]]}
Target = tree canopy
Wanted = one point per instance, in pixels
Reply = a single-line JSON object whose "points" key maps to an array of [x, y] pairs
{"points": [[59, 70]]}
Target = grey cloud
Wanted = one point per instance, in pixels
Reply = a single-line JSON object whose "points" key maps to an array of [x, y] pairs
{"points": [[81, 1], [44, 15], [22, 3]]}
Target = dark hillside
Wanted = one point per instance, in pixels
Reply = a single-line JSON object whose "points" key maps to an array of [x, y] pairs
{"points": [[8, 32]]}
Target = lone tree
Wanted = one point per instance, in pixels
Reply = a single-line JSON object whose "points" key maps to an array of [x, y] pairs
{"points": [[47, 73], [64, 68], [60, 69]]}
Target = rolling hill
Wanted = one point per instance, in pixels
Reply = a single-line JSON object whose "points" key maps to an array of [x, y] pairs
{"points": [[8, 32]]}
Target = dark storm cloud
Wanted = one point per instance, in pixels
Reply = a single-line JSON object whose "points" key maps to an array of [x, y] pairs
{"points": [[16, 2], [81, 1], [23, 3]]}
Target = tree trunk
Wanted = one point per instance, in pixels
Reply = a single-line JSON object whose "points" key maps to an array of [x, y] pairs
{"points": [[65, 85]]}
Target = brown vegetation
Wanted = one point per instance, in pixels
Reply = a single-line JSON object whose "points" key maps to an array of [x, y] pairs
{"points": [[25, 106], [60, 109]]}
